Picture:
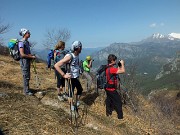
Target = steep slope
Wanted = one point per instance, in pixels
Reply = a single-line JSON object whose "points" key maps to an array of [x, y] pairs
{"points": [[44, 114], [171, 67]]}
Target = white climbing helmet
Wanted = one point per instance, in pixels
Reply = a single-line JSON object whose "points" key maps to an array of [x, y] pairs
{"points": [[75, 45], [23, 31]]}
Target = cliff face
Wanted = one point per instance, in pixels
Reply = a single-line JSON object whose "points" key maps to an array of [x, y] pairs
{"points": [[171, 67]]}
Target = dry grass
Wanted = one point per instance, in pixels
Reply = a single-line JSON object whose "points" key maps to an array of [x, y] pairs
{"points": [[41, 115]]}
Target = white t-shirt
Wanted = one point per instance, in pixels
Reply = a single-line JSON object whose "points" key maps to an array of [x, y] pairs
{"points": [[74, 66]]}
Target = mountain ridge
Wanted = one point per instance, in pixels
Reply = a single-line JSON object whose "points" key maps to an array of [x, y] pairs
{"points": [[148, 54]]}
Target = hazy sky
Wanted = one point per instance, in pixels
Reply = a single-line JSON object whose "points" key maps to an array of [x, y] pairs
{"points": [[95, 23]]}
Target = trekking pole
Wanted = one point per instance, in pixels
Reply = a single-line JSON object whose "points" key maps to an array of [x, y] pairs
{"points": [[70, 102], [71, 95], [35, 71], [126, 92], [70, 91], [96, 88], [65, 87]]}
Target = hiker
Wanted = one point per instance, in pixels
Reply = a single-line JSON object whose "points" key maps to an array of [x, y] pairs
{"points": [[26, 57], [73, 60], [87, 64], [59, 54], [113, 100], [50, 59]]}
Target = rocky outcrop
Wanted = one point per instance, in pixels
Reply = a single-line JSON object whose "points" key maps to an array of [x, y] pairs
{"points": [[173, 66]]}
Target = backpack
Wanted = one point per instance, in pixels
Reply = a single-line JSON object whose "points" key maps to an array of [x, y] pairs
{"points": [[102, 82], [50, 59], [14, 49], [60, 55], [81, 67], [101, 76]]}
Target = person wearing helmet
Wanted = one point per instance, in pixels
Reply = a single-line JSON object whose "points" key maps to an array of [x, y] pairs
{"points": [[87, 64], [26, 57], [72, 59]]}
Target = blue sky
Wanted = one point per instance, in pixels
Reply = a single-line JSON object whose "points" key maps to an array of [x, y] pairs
{"points": [[96, 23]]}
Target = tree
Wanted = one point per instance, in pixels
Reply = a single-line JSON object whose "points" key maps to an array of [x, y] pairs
{"points": [[54, 35], [32, 44], [3, 29]]}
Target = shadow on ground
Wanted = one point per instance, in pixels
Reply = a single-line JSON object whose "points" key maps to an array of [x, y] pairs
{"points": [[1, 133], [4, 84], [90, 98]]}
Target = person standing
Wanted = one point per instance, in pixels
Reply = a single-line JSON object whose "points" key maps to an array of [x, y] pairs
{"points": [[26, 57], [113, 99], [59, 54], [73, 73], [87, 64]]}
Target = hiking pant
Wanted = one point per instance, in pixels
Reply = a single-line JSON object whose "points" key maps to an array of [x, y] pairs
{"points": [[60, 79], [113, 101], [25, 68], [89, 80], [76, 84]]}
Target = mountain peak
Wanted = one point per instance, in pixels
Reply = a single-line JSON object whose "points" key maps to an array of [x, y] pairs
{"points": [[160, 37], [157, 36], [173, 36]]}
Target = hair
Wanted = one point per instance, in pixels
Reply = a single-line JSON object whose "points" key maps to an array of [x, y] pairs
{"points": [[59, 45], [111, 57]]}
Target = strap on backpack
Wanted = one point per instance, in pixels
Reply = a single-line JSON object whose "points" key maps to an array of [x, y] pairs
{"points": [[107, 81], [68, 69]]}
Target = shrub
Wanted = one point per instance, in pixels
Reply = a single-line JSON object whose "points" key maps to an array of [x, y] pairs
{"points": [[4, 50], [166, 101]]}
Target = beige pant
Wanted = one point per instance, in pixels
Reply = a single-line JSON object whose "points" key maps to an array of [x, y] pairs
{"points": [[89, 79]]}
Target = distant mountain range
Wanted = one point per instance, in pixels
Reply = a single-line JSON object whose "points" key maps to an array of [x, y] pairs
{"points": [[42, 54], [148, 55]]}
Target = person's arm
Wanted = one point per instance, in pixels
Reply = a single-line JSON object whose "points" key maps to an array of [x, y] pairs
{"points": [[60, 63], [122, 68], [89, 64], [54, 55], [23, 55]]}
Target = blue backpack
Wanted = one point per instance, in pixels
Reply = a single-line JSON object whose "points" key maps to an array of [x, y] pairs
{"points": [[50, 59]]}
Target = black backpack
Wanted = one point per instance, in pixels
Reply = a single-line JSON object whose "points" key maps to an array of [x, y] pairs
{"points": [[81, 67], [101, 77], [102, 82]]}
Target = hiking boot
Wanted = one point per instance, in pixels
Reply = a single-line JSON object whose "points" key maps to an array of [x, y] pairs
{"points": [[65, 96], [72, 108], [60, 97], [108, 114], [29, 93], [78, 103]]}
